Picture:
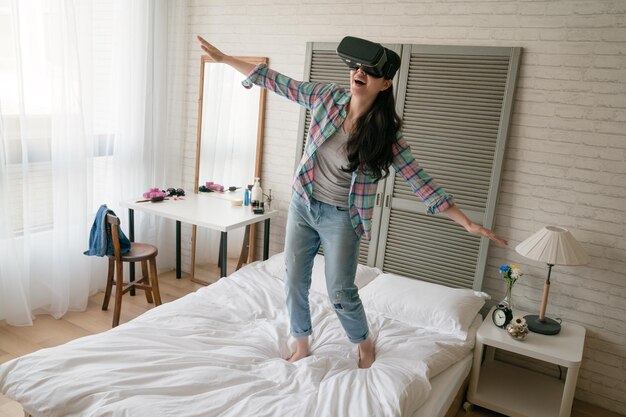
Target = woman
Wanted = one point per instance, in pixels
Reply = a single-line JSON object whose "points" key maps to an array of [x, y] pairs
{"points": [[353, 140]]}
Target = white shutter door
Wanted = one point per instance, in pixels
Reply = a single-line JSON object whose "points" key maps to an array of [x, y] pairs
{"points": [[455, 103]]}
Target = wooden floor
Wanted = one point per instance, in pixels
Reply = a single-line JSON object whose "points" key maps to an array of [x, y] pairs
{"points": [[580, 409], [48, 332]]}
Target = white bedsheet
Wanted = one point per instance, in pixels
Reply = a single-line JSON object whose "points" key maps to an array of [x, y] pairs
{"points": [[217, 352]]}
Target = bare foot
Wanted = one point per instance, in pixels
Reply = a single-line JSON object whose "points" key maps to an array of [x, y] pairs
{"points": [[366, 353], [302, 349], [297, 356]]}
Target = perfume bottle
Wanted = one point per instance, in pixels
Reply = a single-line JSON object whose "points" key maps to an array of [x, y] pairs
{"points": [[256, 195]]}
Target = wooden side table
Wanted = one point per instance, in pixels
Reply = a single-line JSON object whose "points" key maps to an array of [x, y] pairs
{"points": [[520, 392]]}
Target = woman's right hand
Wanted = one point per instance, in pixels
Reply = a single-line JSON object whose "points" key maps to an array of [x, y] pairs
{"points": [[218, 56], [215, 54]]}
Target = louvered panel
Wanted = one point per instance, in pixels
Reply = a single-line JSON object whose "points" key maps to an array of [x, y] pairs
{"points": [[462, 95], [451, 115], [452, 159], [327, 67], [429, 87], [431, 249], [456, 139], [455, 110], [453, 145], [446, 123], [461, 79], [364, 251], [307, 124], [435, 109], [478, 133]]}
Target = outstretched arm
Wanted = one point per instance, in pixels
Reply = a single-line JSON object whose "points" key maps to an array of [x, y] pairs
{"points": [[427, 189], [308, 94], [218, 56], [455, 213]]}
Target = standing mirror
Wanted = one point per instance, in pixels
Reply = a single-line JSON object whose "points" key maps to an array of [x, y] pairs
{"points": [[228, 152]]}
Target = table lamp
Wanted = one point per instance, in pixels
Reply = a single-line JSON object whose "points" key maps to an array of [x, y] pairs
{"points": [[554, 246]]}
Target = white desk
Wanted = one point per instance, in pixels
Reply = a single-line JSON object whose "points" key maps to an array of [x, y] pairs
{"points": [[210, 210], [520, 392]]}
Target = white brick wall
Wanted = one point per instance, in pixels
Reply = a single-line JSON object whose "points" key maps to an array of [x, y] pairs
{"points": [[566, 156]]}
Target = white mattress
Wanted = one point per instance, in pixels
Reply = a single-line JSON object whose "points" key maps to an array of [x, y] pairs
{"points": [[444, 388], [219, 351]]}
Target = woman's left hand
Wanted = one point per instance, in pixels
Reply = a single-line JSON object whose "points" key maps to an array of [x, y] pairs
{"points": [[476, 229], [455, 213]]}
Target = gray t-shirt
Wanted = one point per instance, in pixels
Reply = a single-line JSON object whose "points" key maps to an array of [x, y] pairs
{"points": [[331, 185]]}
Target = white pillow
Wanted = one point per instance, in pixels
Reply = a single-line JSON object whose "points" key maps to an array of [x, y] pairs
{"points": [[275, 266], [423, 304]]}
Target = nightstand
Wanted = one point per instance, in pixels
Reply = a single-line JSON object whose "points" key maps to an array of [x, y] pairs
{"points": [[519, 392]]}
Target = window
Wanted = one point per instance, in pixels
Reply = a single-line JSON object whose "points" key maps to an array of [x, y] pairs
{"points": [[56, 85]]}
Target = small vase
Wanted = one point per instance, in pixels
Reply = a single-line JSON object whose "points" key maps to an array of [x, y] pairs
{"points": [[507, 301], [517, 328]]}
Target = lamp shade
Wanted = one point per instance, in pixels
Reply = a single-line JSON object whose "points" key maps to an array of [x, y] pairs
{"points": [[553, 245]]}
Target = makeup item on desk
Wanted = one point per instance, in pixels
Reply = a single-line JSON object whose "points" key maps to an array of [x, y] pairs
{"points": [[256, 194], [175, 192], [246, 197], [210, 187], [153, 192], [259, 209], [214, 187], [152, 199]]}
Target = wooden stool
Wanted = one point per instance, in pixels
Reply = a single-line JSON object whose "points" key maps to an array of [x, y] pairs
{"points": [[139, 252]]}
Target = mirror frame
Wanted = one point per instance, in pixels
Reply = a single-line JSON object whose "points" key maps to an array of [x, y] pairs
{"points": [[250, 235]]}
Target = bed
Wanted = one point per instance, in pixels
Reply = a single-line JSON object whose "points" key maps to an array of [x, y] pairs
{"points": [[218, 352]]}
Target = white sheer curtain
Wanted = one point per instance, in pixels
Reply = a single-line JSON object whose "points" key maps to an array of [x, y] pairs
{"points": [[85, 119], [229, 121]]}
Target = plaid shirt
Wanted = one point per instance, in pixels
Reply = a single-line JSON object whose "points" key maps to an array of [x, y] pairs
{"points": [[327, 104]]}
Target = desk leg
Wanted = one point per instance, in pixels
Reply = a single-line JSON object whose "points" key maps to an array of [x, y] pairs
{"points": [[568, 391], [266, 240], [223, 253], [245, 248], [131, 232], [177, 249]]}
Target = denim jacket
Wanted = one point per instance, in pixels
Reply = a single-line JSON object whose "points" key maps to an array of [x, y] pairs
{"points": [[99, 243]]}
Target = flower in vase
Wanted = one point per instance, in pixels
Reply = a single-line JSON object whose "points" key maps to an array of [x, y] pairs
{"points": [[510, 273], [515, 272]]}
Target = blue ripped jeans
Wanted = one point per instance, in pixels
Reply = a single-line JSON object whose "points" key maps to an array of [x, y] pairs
{"points": [[329, 226]]}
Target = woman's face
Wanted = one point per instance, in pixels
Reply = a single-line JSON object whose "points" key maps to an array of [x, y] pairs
{"points": [[365, 85]]}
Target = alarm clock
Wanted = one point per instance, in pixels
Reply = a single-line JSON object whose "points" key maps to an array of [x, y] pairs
{"points": [[502, 315]]}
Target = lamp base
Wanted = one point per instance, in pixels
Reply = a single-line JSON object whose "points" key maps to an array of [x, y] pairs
{"points": [[545, 326]]}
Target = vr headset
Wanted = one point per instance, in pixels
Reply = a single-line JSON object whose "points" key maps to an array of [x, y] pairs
{"points": [[373, 58]]}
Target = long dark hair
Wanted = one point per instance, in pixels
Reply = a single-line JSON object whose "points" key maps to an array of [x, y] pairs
{"points": [[369, 146]]}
